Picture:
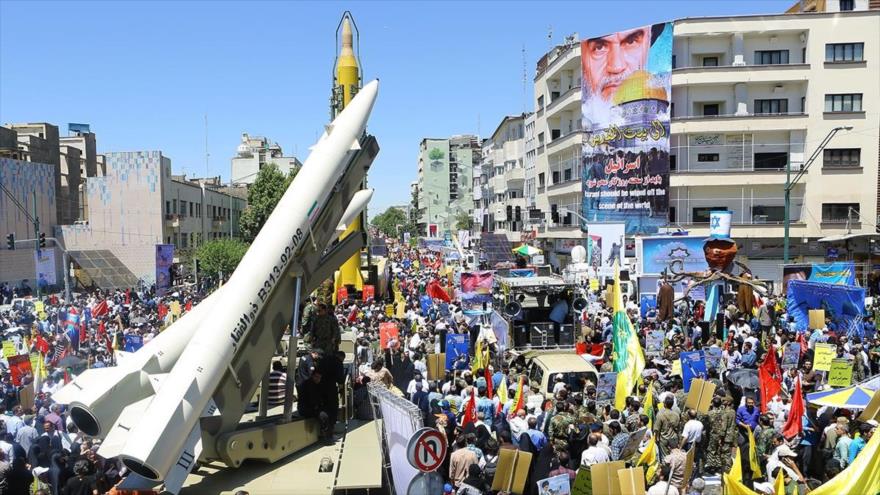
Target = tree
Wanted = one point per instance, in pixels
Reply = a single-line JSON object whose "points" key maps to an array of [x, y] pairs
{"points": [[464, 221], [263, 196], [388, 221], [220, 255]]}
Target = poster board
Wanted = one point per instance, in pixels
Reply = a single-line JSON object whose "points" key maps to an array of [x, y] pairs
{"points": [[556, 484], [688, 469], [676, 368], [26, 397], [700, 396], [8, 348], [436, 366], [583, 482], [791, 354], [605, 478], [632, 444], [632, 481], [389, 310], [512, 471], [713, 358], [693, 365], [840, 374], [388, 331], [823, 355], [605, 387], [654, 342], [817, 318]]}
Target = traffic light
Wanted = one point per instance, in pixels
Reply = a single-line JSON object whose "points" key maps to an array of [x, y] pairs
{"points": [[42, 240], [10, 241]]}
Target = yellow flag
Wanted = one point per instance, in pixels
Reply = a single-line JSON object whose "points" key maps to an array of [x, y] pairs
{"points": [[862, 476], [779, 485], [736, 471], [735, 487], [629, 361], [478, 357], [502, 391], [649, 459], [753, 456]]}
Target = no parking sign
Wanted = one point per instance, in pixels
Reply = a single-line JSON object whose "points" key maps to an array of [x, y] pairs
{"points": [[426, 450]]}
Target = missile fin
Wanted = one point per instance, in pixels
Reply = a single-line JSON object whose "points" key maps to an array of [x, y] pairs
{"points": [[72, 390], [192, 450], [115, 440], [355, 145], [156, 380]]}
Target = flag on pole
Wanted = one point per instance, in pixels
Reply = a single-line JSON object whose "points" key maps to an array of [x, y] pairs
{"points": [[862, 476], [770, 378], [794, 424], [779, 484], [518, 398], [502, 393], [489, 391], [470, 410], [753, 456], [629, 361], [649, 459]]}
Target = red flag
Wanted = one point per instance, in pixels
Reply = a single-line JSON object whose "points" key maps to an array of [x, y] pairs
{"points": [[794, 424], [770, 377], [353, 315], [127, 296], [83, 335], [470, 410], [436, 292], [518, 399], [189, 305], [488, 376], [100, 309], [41, 345], [803, 342], [163, 310]]}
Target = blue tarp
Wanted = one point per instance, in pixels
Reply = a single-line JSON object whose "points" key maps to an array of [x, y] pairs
{"points": [[845, 305]]}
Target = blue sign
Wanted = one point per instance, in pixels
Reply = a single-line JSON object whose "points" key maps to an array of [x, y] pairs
{"points": [[457, 350], [659, 252], [425, 303], [133, 342], [845, 305], [647, 302], [840, 272], [693, 365]]}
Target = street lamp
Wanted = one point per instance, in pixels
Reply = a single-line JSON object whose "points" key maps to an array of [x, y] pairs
{"points": [[789, 183]]}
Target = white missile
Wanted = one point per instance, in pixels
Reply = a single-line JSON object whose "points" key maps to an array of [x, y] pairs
{"points": [[98, 396], [358, 203], [160, 432]]}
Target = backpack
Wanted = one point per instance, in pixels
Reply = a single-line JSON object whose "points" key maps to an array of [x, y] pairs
{"points": [[490, 467]]}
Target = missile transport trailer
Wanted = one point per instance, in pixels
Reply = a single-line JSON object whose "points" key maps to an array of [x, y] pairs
{"points": [[177, 404]]}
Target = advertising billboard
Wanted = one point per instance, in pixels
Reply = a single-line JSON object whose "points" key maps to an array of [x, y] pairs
{"points": [[625, 100], [605, 247], [44, 262], [657, 253]]}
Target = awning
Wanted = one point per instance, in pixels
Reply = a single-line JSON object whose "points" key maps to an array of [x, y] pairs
{"points": [[104, 269], [849, 237]]}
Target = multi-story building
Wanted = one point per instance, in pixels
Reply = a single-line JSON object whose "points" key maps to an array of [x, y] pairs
{"points": [[253, 153], [752, 96], [445, 184], [139, 204], [501, 200], [39, 143]]}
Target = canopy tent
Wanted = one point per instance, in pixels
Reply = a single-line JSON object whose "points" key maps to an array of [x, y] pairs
{"points": [[854, 397], [526, 250]]}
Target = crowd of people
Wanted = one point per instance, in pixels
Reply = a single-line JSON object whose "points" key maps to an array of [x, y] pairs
{"points": [[484, 404], [41, 451]]}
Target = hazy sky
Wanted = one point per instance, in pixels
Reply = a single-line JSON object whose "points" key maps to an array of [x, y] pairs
{"points": [[144, 74]]}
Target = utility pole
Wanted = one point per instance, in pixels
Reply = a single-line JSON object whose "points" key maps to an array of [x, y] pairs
{"points": [[790, 183], [37, 243]]}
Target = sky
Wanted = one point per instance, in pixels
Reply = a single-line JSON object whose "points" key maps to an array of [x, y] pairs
{"points": [[145, 74]]}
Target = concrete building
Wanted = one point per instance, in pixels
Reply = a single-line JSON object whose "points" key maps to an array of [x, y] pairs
{"points": [[445, 186], [139, 204], [751, 95], [20, 180], [500, 205], [39, 143], [253, 153]]}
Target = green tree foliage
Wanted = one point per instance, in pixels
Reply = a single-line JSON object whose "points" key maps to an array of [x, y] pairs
{"points": [[463, 221], [220, 255], [263, 196], [388, 221], [435, 154]]}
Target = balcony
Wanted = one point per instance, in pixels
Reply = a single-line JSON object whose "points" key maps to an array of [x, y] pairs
{"points": [[732, 74], [573, 138], [570, 101], [172, 220], [737, 123], [514, 174]]}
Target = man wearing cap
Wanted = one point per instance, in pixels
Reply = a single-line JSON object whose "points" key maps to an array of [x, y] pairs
{"points": [[559, 383], [783, 457]]}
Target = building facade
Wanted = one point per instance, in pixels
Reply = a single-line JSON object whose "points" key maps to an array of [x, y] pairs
{"points": [[254, 153], [445, 182], [139, 204], [751, 97], [500, 206]]}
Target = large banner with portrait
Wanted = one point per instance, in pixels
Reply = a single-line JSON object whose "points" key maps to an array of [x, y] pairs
{"points": [[605, 247], [164, 260], [625, 99]]}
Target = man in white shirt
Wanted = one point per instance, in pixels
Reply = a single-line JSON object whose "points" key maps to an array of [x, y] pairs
{"points": [[692, 432], [594, 454], [662, 487], [518, 425]]}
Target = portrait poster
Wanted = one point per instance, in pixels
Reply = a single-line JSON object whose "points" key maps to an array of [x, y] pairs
{"points": [[476, 287], [164, 260], [605, 387], [457, 349], [625, 102], [607, 239], [654, 342], [557, 485], [388, 332], [44, 263], [791, 354]]}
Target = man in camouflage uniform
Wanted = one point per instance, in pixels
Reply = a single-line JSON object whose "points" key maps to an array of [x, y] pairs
{"points": [[667, 427], [715, 434], [764, 437], [326, 335], [559, 427], [730, 434]]}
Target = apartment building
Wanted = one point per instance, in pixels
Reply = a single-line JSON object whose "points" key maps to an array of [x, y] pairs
{"points": [[752, 97], [254, 153], [499, 190], [445, 183]]}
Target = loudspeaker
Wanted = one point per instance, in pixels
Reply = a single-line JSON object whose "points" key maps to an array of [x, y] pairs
{"points": [[579, 304], [520, 335], [566, 335], [541, 335], [512, 309]]}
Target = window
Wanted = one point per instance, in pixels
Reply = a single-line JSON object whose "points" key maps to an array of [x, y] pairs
{"points": [[168, 209], [844, 157], [541, 179], [846, 5], [540, 138], [771, 161], [839, 212], [567, 175], [556, 177], [769, 107], [708, 157], [555, 134], [191, 207], [673, 162], [173, 206], [771, 57], [843, 103], [672, 217], [711, 109], [674, 65], [844, 52], [710, 61], [701, 215], [767, 214], [540, 102]]}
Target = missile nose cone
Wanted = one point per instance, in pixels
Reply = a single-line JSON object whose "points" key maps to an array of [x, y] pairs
{"points": [[347, 43]]}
